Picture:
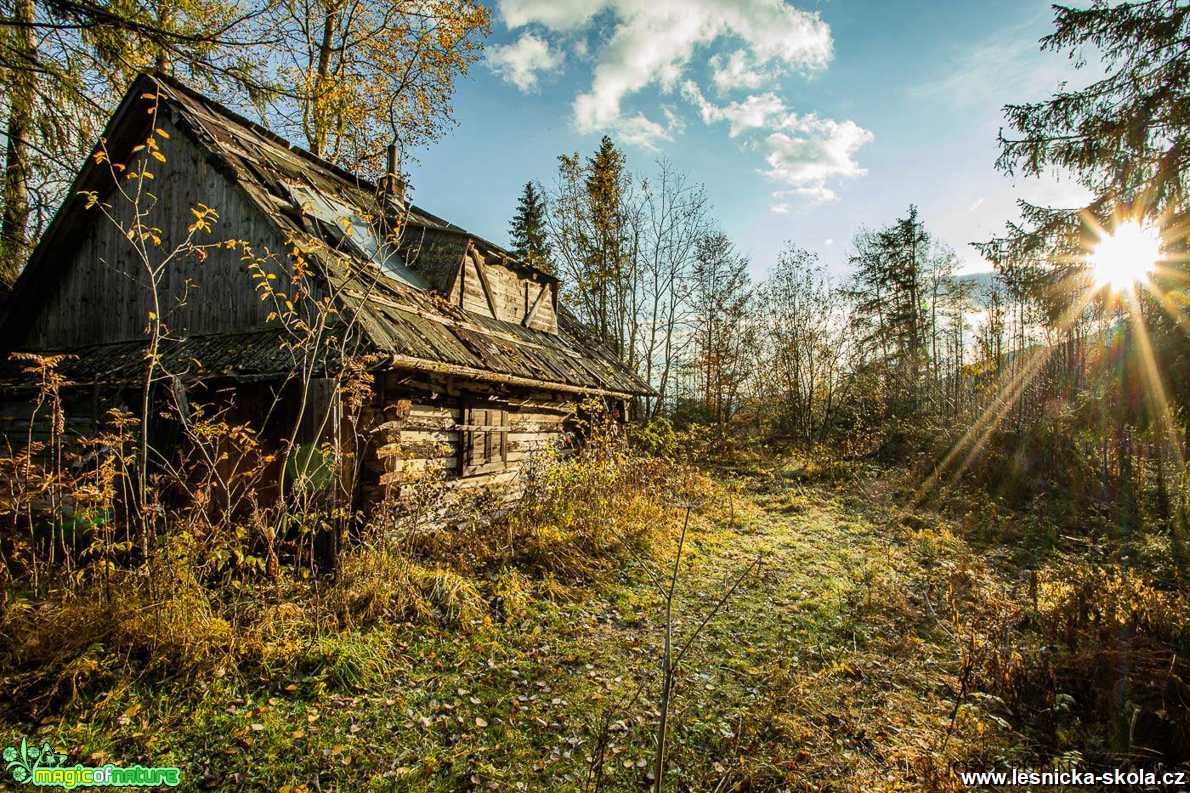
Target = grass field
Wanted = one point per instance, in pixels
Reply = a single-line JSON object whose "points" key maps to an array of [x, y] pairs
{"points": [[836, 664]]}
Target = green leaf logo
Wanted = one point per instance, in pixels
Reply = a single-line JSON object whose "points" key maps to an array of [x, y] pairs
{"points": [[26, 760]]}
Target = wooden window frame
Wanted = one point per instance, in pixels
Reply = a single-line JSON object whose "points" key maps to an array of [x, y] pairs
{"points": [[484, 439]]}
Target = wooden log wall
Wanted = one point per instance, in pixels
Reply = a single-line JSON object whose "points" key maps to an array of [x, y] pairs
{"points": [[22, 420], [419, 432]]}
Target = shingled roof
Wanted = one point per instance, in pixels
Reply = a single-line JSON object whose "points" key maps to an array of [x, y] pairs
{"points": [[395, 295]]}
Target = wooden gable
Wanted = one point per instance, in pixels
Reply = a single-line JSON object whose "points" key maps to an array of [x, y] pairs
{"points": [[93, 288], [491, 288]]}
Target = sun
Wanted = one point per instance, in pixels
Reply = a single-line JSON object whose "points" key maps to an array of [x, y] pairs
{"points": [[1126, 256]]}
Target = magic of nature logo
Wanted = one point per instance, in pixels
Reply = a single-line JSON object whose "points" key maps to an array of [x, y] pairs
{"points": [[43, 767]]}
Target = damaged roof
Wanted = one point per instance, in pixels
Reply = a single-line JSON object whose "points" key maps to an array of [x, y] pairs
{"points": [[398, 307]]}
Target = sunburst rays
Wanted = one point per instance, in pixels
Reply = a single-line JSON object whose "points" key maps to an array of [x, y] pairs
{"points": [[1118, 264]]}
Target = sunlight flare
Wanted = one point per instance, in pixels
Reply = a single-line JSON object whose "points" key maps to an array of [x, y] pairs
{"points": [[1126, 256]]}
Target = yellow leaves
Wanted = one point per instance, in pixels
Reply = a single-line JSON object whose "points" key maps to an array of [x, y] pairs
{"points": [[204, 219], [100, 157], [162, 133], [91, 196], [152, 316], [140, 232]]}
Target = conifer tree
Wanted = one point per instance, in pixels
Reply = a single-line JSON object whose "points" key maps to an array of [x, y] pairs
{"points": [[888, 290], [1125, 137], [528, 232], [595, 222]]}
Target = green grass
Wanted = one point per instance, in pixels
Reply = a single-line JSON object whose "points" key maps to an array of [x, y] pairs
{"points": [[830, 667]]}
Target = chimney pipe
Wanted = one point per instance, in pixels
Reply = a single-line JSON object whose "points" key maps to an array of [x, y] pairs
{"points": [[392, 194], [392, 186]]}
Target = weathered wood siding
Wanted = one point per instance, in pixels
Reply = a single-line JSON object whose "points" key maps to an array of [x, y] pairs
{"points": [[23, 420], [102, 294], [512, 294]]}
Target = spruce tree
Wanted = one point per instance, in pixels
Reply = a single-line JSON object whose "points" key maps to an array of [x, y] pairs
{"points": [[1125, 137], [528, 231], [889, 293]]}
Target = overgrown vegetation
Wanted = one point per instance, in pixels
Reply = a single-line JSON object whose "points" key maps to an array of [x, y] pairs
{"points": [[1056, 391], [914, 526]]}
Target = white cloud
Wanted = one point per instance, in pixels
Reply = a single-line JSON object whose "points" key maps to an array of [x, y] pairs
{"points": [[803, 152], [641, 131], [653, 41], [673, 122], [560, 15], [809, 150], [521, 62], [755, 112], [785, 201], [738, 70]]}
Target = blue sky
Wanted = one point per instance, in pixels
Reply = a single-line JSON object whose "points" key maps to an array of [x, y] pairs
{"points": [[805, 121]]}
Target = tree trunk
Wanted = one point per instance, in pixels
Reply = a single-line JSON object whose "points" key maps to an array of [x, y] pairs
{"points": [[163, 61], [316, 129], [14, 227]]}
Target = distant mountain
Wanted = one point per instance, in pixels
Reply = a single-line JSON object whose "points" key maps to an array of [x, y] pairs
{"points": [[984, 284]]}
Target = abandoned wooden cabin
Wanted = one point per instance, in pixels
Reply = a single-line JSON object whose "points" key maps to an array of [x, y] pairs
{"points": [[476, 365]]}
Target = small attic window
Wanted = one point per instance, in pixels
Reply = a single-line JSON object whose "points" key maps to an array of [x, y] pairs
{"points": [[356, 231]]}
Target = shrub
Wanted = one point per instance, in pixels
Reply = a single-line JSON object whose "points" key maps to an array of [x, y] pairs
{"points": [[1110, 649]]}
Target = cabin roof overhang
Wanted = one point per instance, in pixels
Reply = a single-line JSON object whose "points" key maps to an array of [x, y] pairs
{"points": [[258, 356]]}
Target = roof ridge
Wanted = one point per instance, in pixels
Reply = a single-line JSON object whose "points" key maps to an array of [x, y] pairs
{"points": [[218, 107]]}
